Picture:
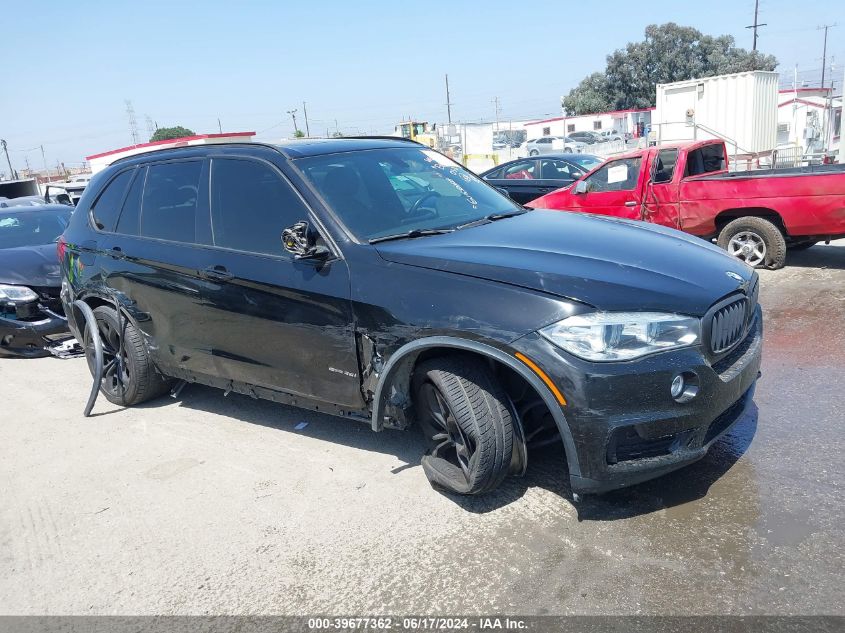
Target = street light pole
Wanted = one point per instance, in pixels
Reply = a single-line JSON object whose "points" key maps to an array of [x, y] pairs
{"points": [[6, 151], [292, 114]]}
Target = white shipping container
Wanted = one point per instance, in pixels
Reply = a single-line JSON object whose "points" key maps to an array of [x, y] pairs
{"points": [[741, 109]]}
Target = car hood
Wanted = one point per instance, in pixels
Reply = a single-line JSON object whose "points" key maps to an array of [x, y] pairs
{"points": [[30, 266], [610, 264]]}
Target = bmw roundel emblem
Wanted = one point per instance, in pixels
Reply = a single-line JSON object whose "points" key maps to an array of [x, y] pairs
{"points": [[734, 276]]}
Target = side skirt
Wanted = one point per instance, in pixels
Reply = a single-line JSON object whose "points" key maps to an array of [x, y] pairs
{"points": [[273, 395]]}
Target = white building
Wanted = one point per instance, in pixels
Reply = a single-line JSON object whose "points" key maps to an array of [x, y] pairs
{"points": [[634, 122], [98, 162], [809, 118], [739, 108]]}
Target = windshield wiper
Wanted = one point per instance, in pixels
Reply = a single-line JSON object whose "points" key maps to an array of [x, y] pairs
{"points": [[409, 235], [492, 218]]}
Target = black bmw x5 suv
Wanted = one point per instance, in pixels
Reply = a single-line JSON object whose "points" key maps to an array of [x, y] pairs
{"points": [[376, 279]]}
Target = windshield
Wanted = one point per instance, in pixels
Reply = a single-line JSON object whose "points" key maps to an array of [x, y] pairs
{"points": [[382, 192], [31, 228]]}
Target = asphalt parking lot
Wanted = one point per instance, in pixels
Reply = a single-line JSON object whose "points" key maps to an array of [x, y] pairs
{"points": [[213, 504]]}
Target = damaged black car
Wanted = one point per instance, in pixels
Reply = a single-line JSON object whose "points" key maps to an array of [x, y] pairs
{"points": [[31, 313], [375, 279]]}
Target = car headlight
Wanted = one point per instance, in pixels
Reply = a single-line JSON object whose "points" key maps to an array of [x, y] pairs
{"points": [[616, 336], [17, 294]]}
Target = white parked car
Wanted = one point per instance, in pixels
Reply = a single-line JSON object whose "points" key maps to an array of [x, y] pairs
{"points": [[553, 144]]}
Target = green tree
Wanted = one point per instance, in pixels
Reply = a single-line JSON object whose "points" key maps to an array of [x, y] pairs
{"points": [[668, 53], [168, 133], [299, 134]]}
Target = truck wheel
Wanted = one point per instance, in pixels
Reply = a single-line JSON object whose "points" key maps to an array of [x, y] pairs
{"points": [[132, 380], [756, 241], [464, 411]]}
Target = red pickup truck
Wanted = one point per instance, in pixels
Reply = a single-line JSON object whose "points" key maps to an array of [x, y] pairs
{"points": [[755, 215]]}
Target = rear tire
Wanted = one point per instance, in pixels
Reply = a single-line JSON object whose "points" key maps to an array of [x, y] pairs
{"points": [[139, 380], [464, 412], [533, 152], [756, 241]]}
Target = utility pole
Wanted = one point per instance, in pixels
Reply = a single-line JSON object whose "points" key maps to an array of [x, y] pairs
{"points": [[496, 105], [448, 101], [824, 49], [219, 126], [292, 114], [8, 160], [842, 136], [756, 24], [44, 158], [305, 114], [336, 128]]}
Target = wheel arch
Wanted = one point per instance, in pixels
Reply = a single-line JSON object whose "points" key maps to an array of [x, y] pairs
{"points": [[725, 217], [396, 376], [95, 299]]}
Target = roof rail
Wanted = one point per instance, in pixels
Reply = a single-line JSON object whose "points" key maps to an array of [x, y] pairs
{"points": [[383, 138], [155, 150]]}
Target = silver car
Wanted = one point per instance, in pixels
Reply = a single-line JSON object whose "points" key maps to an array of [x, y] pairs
{"points": [[611, 135], [553, 145]]}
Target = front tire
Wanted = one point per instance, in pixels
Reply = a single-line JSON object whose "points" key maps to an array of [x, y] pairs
{"points": [[755, 241], [464, 412], [129, 376], [533, 152]]}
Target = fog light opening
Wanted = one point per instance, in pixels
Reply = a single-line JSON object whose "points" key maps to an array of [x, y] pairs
{"points": [[684, 386]]}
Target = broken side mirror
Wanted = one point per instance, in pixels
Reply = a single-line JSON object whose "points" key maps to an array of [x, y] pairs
{"points": [[301, 242], [581, 186]]}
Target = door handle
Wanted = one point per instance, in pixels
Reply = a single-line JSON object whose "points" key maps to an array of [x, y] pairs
{"points": [[218, 273], [117, 252], [631, 203]]}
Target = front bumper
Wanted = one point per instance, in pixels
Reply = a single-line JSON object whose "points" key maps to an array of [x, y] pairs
{"points": [[29, 337], [624, 425]]}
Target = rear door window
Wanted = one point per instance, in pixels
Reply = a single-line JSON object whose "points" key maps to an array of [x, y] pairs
{"points": [[251, 204], [169, 207], [523, 170], [107, 207], [664, 167]]}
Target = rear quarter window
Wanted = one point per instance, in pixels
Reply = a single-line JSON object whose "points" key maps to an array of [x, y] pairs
{"points": [[106, 208], [705, 160]]}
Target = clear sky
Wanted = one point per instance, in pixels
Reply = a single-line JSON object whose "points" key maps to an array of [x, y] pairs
{"points": [[69, 66]]}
